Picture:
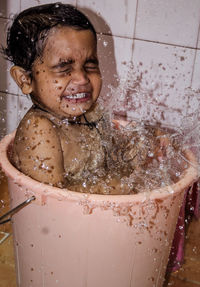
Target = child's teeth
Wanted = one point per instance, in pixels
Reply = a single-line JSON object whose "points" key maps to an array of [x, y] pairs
{"points": [[77, 96]]}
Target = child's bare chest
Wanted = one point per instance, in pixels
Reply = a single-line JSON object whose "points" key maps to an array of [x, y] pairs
{"points": [[83, 151]]}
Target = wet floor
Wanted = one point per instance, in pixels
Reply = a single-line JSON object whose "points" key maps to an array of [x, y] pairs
{"points": [[7, 266], [187, 276]]}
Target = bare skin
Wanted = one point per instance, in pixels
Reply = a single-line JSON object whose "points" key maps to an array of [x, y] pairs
{"points": [[37, 150], [54, 151], [65, 84]]}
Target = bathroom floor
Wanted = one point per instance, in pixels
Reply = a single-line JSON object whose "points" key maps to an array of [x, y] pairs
{"points": [[187, 276], [7, 266]]}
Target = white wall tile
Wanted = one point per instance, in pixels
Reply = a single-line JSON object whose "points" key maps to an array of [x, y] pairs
{"points": [[8, 8], [3, 112], [24, 104], [116, 17], [166, 72], [172, 21], [15, 107], [26, 4], [3, 63], [196, 72], [198, 42], [12, 112], [7, 85], [6, 81]]}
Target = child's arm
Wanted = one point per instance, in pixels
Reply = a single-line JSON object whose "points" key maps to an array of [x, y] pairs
{"points": [[37, 150]]}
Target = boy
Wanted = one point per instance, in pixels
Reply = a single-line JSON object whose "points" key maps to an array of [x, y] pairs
{"points": [[63, 139], [54, 51]]}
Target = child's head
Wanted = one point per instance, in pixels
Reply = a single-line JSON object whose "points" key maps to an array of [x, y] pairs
{"points": [[54, 51], [30, 28]]}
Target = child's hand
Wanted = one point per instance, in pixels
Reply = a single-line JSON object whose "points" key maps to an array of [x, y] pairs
{"points": [[143, 151], [164, 143], [135, 147]]}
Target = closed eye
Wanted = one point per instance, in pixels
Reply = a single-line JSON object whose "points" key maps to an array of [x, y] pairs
{"points": [[65, 70], [63, 66], [91, 64]]}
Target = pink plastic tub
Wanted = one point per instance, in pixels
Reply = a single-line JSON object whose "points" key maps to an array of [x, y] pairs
{"points": [[70, 239]]}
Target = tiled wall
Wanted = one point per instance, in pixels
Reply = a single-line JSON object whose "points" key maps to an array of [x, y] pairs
{"points": [[161, 38]]}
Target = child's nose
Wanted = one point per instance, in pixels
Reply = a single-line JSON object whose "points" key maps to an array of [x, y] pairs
{"points": [[80, 77]]}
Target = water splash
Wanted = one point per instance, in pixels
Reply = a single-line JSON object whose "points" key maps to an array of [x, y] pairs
{"points": [[133, 160]]}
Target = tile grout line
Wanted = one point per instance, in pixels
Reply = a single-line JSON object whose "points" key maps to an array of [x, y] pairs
{"points": [[150, 41], [136, 14]]}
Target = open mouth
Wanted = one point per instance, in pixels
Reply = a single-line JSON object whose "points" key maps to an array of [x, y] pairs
{"points": [[79, 97]]}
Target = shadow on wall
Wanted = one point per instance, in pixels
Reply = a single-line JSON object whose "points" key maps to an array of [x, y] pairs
{"points": [[3, 77], [106, 52]]}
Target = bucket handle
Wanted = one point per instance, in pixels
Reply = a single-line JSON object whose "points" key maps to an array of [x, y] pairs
{"points": [[4, 219]]}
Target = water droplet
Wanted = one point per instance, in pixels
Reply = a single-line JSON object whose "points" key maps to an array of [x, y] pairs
{"points": [[105, 43], [84, 184]]}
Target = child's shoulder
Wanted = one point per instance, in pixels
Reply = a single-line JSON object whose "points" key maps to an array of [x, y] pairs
{"points": [[36, 130], [36, 122]]}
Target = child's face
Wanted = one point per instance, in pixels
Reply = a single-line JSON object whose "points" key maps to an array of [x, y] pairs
{"points": [[67, 80]]}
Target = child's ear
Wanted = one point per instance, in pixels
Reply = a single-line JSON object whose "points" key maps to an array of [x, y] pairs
{"points": [[22, 79]]}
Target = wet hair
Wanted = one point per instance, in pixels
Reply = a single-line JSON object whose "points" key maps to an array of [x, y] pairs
{"points": [[26, 37]]}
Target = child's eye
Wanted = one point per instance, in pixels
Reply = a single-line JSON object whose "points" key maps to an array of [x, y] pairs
{"points": [[63, 68], [91, 67], [66, 71]]}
